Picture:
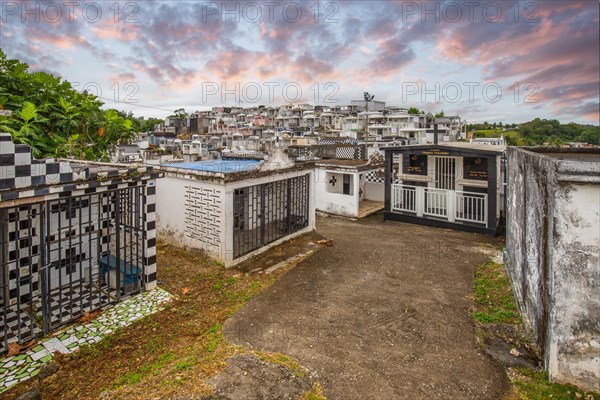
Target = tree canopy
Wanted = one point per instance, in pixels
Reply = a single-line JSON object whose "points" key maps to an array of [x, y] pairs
{"points": [[56, 120], [540, 132]]}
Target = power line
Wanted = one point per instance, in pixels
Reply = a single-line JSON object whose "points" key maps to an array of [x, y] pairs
{"points": [[134, 104]]}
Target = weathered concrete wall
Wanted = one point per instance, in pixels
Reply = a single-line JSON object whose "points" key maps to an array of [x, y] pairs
{"points": [[552, 240], [530, 179], [574, 345]]}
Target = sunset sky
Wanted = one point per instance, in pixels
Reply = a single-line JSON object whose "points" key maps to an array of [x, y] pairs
{"points": [[541, 57]]}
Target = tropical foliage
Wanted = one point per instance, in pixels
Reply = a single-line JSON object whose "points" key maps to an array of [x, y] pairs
{"points": [[56, 120], [539, 132]]}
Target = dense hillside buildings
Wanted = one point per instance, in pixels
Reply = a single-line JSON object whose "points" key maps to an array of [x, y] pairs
{"points": [[255, 131]]}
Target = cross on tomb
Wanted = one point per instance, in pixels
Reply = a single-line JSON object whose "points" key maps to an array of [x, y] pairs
{"points": [[333, 180]]}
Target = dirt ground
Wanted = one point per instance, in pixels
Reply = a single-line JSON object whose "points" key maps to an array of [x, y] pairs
{"points": [[384, 313], [175, 353]]}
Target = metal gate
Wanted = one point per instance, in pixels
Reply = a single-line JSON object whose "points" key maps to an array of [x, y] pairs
{"points": [[445, 173], [268, 212], [64, 257]]}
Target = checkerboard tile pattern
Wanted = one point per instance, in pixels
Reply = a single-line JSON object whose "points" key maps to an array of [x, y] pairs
{"points": [[66, 304], [54, 184], [376, 176], [345, 140], [19, 169], [22, 176], [20, 368]]}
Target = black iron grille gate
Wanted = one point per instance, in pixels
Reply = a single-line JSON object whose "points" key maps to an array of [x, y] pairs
{"points": [[268, 212], [64, 257]]}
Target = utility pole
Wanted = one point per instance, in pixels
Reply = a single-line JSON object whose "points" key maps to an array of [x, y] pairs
{"points": [[368, 97], [431, 118]]}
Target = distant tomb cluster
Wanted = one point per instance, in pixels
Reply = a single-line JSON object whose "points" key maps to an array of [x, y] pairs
{"points": [[77, 236]]}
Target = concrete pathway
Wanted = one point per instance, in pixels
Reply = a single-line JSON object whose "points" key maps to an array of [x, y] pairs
{"points": [[384, 313]]}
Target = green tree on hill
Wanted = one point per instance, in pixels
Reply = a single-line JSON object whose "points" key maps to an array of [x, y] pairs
{"points": [[539, 132]]}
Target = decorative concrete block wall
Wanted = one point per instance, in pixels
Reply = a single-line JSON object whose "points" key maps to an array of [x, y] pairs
{"points": [[203, 214]]}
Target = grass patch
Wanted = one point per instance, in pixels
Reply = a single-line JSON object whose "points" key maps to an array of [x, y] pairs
{"points": [[316, 393], [135, 377], [282, 359], [172, 352], [486, 133], [88, 351], [534, 385], [495, 304], [494, 295]]}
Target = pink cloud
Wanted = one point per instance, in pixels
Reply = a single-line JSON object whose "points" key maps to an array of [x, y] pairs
{"points": [[108, 29]]}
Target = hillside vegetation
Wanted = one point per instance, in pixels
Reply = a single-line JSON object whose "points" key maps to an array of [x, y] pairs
{"points": [[540, 132]]}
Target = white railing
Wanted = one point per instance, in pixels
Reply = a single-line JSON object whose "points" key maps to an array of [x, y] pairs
{"points": [[436, 202], [471, 207], [404, 198], [452, 205]]}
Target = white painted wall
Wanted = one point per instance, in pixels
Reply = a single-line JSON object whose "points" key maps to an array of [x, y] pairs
{"points": [[374, 191], [173, 214], [176, 224], [330, 199]]}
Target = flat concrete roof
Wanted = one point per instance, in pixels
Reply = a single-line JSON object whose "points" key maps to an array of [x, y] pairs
{"points": [[355, 165], [574, 156], [221, 166], [473, 146], [455, 145]]}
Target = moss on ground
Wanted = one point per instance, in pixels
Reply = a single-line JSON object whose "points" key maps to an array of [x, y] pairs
{"points": [[316, 393], [495, 304], [494, 296], [534, 385]]}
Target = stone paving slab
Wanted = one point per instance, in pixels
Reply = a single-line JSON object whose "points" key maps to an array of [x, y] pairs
{"points": [[22, 367]]}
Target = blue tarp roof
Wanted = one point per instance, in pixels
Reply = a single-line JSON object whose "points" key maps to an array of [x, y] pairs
{"points": [[224, 166]]}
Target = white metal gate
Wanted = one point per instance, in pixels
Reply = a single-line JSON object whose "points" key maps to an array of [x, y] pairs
{"points": [[445, 173], [436, 201]]}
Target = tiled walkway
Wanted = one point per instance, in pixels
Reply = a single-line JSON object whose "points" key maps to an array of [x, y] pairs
{"points": [[66, 304], [24, 366]]}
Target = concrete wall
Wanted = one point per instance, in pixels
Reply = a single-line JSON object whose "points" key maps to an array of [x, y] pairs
{"points": [[189, 213], [574, 353], [374, 191], [552, 247], [330, 198], [199, 213]]}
